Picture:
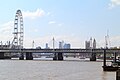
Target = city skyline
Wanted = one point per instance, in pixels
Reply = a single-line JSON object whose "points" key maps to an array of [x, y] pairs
{"points": [[71, 21]]}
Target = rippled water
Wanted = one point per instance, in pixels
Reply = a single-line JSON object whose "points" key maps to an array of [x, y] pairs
{"points": [[53, 70]]}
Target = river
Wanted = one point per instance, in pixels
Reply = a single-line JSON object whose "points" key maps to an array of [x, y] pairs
{"points": [[53, 70]]}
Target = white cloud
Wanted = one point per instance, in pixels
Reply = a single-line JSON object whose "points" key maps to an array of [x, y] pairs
{"points": [[115, 41], [49, 13], [60, 24], [6, 31], [57, 24], [51, 22], [34, 14], [6, 27], [114, 3]]}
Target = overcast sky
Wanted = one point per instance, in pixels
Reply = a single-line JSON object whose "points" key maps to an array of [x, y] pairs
{"points": [[72, 21]]}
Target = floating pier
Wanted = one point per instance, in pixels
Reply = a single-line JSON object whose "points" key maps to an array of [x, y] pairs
{"points": [[118, 74], [114, 67]]}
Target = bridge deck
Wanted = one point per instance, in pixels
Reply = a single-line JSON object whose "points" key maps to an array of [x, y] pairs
{"points": [[59, 50]]}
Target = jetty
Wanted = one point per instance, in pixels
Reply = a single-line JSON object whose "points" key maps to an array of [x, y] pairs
{"points": [[114, 64]]}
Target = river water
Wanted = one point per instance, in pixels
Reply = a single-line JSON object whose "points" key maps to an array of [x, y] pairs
{"points": [[53, 70]]}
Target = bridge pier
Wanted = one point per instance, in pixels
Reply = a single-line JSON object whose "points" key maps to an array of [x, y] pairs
{"points": [[104, 63], [118, 74], [60, 56], [21, 56], [55, 56], [29, 56], [2, 55], [93, 56]]}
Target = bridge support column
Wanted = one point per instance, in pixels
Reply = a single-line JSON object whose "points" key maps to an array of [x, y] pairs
{"points": [[55, 56], [29, 56], [115, 54], [104, 63], [21, 56], [60, 56], [93, 57], [118, 74], [2, 55]]}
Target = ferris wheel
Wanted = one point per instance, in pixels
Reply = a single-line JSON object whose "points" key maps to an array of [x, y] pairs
{"points": [[18, 30]]}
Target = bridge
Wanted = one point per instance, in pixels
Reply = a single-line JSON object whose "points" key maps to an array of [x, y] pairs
{"points": [[26, 50], [58, 53]]}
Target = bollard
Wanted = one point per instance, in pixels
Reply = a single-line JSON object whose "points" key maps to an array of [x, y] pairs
{"points": [[118, 74]]}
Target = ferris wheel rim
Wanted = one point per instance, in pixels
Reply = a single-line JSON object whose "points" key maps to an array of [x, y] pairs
{"points": [[18, 29]]}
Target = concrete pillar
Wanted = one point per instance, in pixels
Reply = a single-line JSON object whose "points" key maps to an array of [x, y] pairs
{"points": [[115, 54], [104, 63], [2, 55], [55, 56], [21, 56], [118, 74], [7, 55], [93, 56], [60, 56], [29, 56]]}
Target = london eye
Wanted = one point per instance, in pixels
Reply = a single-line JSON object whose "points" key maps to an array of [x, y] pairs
{"points": [[18, 31]]}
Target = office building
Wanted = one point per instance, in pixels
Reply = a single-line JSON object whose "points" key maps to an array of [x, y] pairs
{"points": [[46, 46], [61, 43], [94, 44], [67, 46]]}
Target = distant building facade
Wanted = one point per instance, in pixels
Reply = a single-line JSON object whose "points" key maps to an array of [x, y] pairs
{"points": [[91, 44], [94, 44], [46, 46], [87, 45], [67, 46], [61, 44]]}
